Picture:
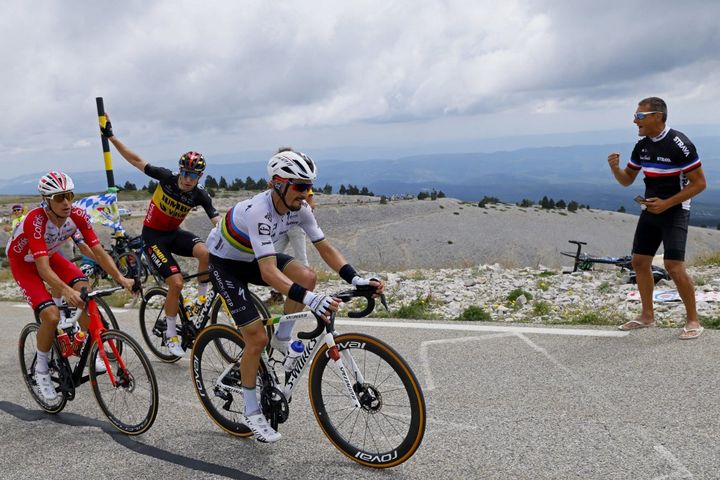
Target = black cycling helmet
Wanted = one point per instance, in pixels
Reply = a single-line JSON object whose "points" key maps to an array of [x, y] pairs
{"points": [[192, 162]]}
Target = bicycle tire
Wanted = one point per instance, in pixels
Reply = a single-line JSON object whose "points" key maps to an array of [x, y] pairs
{"points": [[221, 316], [130, 266], [223, 405], [151, 308], [398, 408], [137, 394], [27, 352]]}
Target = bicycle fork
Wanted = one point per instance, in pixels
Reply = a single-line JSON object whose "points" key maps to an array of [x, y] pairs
{"points": [[336, 360]]}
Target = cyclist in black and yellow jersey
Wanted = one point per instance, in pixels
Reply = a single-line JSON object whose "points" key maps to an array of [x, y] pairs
{"points": [[174, 197]]}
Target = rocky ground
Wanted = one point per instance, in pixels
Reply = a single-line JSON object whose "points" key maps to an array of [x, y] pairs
{"points": [[442, 257]]}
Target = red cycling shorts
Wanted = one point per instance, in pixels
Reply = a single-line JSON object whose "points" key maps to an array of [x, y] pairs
{"points": [[32, 285]]}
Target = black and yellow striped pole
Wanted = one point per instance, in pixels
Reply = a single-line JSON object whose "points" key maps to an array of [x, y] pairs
{"points": [[106, 147]]}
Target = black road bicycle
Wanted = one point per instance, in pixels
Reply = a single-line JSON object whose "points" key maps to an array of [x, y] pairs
{"points": [[364, 395], [585, 262], [127, 391], [152, 318]]}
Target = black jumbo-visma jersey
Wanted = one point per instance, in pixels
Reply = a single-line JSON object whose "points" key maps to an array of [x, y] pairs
{"points": [[169, 205]]}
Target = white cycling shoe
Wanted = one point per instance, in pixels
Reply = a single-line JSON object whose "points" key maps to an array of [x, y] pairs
{"points": [[261, 428], [174, 345], [99, 365], [47, 389]]}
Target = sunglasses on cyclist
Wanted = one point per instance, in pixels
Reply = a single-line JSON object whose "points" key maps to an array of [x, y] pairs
{"points": [[59, 197], [642, 115], [191, 174], [17, 210], [300, 187]]}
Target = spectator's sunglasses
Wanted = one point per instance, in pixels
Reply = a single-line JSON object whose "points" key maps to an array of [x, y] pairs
{"points": [[59, 197], [642, 115], [191, 174]]}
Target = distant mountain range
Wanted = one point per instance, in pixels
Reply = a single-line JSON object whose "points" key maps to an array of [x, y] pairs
{"points": [[577, 173]]}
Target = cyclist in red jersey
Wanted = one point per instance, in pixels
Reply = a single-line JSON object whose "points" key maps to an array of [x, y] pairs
{"points": [[174, 197], [34, 259]]}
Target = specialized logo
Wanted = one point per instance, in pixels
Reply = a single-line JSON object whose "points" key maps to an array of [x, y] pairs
{"points": [[241, 294], [682, 146], [263, 229]]}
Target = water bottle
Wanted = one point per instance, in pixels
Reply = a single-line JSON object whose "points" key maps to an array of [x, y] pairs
{"points": [[78, 341], [296, 350], [64, 342], [189, 307]]}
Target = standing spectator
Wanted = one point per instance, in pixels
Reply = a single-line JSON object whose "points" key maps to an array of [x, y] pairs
{"points": [[673, 175]]}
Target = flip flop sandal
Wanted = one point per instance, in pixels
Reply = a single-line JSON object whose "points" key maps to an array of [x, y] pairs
{"points": [[691, 333]]}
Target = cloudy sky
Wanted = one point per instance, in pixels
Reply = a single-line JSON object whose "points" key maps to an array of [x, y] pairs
{"points": [[232, 76]]}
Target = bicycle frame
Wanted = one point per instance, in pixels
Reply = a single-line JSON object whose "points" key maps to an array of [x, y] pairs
{"points": [[95, 330]]}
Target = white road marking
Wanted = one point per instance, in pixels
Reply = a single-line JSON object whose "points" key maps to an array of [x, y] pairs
{"points": [[464, 327], [680, 470], [425, 360]]}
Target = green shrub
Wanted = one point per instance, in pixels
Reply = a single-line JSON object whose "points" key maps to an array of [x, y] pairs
{"points": [[513, 295], [475, 313], [541, 308], [420, 308]]}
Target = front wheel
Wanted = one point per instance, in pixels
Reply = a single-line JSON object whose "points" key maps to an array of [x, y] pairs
{"points": [[389, 426], [130, 399], [27, 351], [217, 380]]}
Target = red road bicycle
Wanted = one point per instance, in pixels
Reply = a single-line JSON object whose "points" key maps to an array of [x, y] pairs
{"points": [[127, 392]]}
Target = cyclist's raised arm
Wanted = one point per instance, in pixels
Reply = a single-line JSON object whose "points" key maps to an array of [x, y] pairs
{"points": [[133, 158], [206, 202]]}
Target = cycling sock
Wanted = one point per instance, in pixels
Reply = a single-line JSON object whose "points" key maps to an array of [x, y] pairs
{"points": [[171, 325], [202, 288], [284, 330], [42, 362], [251, 403]]}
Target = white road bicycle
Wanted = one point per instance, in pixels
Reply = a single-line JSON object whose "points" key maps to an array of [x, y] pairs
{"points": [[365, 397]]}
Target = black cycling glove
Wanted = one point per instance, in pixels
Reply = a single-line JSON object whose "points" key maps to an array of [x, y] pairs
{"points": [[107, 130]]}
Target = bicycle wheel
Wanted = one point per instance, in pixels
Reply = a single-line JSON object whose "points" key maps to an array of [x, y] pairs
{"points": [[151, 312], [27, 352], [389, 427], [131, 404], [128, 263], [222, 399], [220, 315]]}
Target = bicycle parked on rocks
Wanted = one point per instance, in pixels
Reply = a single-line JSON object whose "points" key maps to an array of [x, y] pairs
{"points": [[193, 316], [364, 395], [126, 391], [586, 262], [130, 258]]}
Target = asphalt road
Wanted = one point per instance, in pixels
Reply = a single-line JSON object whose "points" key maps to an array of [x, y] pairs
{"points": [[503, 403]]}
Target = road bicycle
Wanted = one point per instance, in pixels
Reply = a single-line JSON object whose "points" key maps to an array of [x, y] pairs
{"points": [[129, 256], [364, 395], [585, 262], [127, 392], [190, 320]]}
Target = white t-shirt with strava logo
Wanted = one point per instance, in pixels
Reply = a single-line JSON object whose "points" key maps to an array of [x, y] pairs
{"points": [[250, 229]]}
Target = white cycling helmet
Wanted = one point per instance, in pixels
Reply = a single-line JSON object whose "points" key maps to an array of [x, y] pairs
{"points": [[55, 182], [291, 165]]}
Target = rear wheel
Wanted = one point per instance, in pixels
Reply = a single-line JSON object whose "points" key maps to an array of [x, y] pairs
{"points": [[152, 323], [222, 398], [27, 352], [131, 403], [389, 426]]}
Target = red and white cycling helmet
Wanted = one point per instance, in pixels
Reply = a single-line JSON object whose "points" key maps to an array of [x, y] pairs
{"points": [[291, 165], [55, 182]]}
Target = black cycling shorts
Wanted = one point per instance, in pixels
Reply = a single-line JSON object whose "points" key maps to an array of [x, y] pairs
{"points": [[669, 228], [160, 246], [230, 279]]}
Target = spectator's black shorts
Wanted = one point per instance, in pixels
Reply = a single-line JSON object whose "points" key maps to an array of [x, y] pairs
{"points": [[161, 245], [669, 228], [230, 279]]}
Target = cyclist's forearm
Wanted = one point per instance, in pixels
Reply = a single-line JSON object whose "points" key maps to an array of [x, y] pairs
{"points": [[106, 262], [330, 255], [87, 251], [623, 177], [133, 158]]}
